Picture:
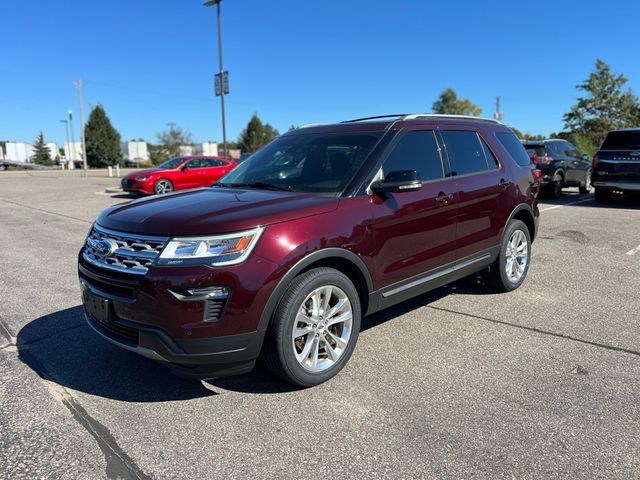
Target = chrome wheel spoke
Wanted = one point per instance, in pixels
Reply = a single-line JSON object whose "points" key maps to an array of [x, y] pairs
{"points": [[331, 353], [336, 308], [301, 332], [340, 343], [339, 319]]}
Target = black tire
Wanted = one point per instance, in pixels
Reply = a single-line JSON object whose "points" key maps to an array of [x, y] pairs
{"points": [[497, 271], [2, 167], [163, 186], [554, 189], [602, 195], [279, 347], [586, 187]]}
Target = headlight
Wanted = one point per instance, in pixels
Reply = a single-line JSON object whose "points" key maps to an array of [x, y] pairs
{"points": [[215, 250], [142, 179]]}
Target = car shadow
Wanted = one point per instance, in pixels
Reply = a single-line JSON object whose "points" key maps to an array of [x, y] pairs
{"points": [[62, 348], [587, 200]]}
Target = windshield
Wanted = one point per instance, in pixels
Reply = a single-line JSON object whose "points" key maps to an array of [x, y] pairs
{"points": [[172, 163], [622, 140], [315, 163]]}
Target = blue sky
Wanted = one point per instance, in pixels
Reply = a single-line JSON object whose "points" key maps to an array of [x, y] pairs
{"points": [[151, 62]]}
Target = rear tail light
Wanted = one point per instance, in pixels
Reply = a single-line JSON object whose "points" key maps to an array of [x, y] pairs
{"points": [[594, 162], [537, 175]]}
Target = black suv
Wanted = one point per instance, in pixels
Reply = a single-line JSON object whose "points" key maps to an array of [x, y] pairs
{"points": [[561, 165], [616, 166]]}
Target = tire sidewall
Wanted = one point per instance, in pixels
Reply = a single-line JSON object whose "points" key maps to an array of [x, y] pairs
{"points": [[511, 228], [285, 318]]}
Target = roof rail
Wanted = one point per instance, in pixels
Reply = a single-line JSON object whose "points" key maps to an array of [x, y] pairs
{"points": [[393, 115], [414, 116]]}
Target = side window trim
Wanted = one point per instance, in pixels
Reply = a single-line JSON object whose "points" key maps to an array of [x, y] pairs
{"points": [[490, 164]]}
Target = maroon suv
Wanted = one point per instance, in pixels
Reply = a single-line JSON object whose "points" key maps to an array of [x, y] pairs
{"points": [[283, 257]]}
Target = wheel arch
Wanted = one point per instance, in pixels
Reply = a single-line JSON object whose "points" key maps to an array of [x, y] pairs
{"points": [[524, 213], [339, 259]]}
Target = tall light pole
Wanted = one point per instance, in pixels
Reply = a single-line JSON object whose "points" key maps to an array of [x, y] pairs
{"points": [[66, 129], [73, 138], [84, 148], [211, 3]]}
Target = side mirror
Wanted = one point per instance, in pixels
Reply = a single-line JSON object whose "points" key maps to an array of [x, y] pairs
{"points": [[398, 181], [585, 157], [184, 167]]}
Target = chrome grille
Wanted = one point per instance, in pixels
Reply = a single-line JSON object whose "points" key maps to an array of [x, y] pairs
{"points": [[134, 253]]}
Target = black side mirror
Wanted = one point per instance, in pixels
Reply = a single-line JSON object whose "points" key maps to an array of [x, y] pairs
{"points": [[184, 167], [398, 181]]}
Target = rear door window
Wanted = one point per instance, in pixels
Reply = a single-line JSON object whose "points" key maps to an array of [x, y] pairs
{"points": [[416, 150], [466, 152], [511, 143]]}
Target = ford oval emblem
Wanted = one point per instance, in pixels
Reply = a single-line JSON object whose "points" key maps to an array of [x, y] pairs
{"points": [[103, 248]]}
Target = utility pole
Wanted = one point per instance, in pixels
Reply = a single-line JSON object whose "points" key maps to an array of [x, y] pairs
{"points": [[498, 114], [211, 3], [84, 147]]}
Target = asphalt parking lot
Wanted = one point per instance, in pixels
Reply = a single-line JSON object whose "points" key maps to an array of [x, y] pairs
{"points": [[459, 383]]}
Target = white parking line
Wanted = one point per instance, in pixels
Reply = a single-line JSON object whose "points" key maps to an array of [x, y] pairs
{"points": [[634, 251], [567, 204]]}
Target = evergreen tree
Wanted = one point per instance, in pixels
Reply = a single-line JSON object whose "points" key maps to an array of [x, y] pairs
{"points": [[604, 107], [448, 103], [42, 155], [256, 135], [102, 141]]}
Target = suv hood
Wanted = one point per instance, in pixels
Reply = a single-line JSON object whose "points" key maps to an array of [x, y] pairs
{"points": [[212, 210]]}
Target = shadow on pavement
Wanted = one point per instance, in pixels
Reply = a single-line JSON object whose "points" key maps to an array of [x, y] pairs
{"points": [[60, 347], [626, 201]]}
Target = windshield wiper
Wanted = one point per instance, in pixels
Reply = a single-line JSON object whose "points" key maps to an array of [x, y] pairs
{"points": [[266, 186]]}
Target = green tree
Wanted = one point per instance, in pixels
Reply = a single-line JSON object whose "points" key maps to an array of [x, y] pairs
{"points": [[102, 141], [41, 153], [169, 143], [605, 106], [256, 135], [448, 103], [527, 135]]}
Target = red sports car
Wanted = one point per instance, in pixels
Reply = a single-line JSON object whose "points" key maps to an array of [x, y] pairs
{"points": [[177, 173]]}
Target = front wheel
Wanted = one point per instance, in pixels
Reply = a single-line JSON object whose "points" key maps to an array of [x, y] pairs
{"points": [[554, 188], [163, 186], [315, 328], [510, 268]]}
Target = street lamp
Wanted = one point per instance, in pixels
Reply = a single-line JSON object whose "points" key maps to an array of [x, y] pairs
{"points": [[66, 129], [73, 140], [216, 3]]}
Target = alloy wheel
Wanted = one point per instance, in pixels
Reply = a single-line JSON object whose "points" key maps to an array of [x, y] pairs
{"points": [[163, 186], [322, 328], [517, 256]]}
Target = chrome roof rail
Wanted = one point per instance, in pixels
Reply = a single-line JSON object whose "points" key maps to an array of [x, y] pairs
{"points": [[415, 116], [375, 117]]}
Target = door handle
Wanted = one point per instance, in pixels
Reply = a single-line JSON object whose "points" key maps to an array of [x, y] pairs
{"points": [[444, 198], [503, 183]]}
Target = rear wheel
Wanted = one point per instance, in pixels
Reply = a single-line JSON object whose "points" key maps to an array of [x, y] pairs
{"points": [[163, 186], [315, 328], [586, 186], [554, 189], [510, 268], [602, 195]]}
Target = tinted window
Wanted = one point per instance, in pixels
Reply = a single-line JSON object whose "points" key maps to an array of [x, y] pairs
{"points": [[212, 162], [195, 163], [492, 161], [622, 141], [317, 162], [511, 143], [465, 151], [416, 150], [535, 150], [172, 163]]}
